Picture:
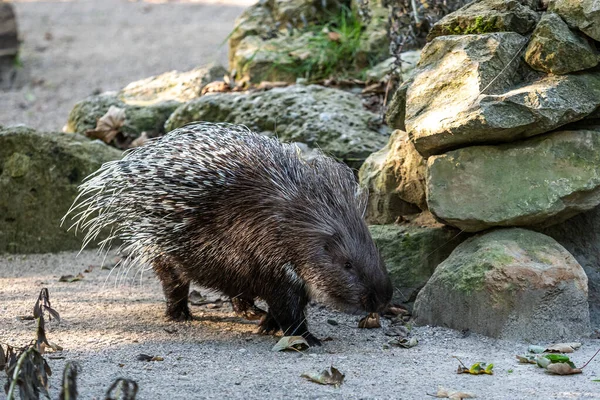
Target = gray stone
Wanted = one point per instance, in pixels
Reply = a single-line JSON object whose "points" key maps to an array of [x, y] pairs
{"points": [[171, 86], [395, 179], [486, 16], [555, 49], [525, 111], [581, 14], [39, 175], [396, 113], [510, 284], [536, 182], [412, 252], [330, 119], [451, 75], [150, 119]]}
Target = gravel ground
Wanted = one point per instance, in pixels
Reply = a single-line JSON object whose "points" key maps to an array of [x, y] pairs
{"points": [[72, 49], [106, 324]]}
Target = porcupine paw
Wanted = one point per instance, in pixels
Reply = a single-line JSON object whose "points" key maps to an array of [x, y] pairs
{"points": [[268, 325], [179, 312], [246, 309]]}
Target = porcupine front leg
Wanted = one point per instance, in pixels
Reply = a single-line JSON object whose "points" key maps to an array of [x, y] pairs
{"points": [[286, 312], [175, 287]]}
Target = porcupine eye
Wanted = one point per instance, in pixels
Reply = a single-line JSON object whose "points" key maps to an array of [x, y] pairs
{"points": [[348, 265]]}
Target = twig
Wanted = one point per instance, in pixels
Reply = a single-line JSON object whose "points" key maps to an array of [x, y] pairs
{"points": [[584, 365]]}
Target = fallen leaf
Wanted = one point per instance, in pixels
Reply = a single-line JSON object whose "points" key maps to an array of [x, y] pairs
{"points": [[268, 85], [331, 376], [527, 359], [562, 369], [453, 394], [215, 87], [563, 347], [297, 343], [404, 343], [334, 36], [370, 321], [479, 368], [71, 278], [536, 349], [140, 140], [395, 310], [109, 125]]}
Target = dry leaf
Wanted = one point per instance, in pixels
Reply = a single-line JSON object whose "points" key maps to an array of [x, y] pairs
{"points": [[334, 36], [563, 347], [527, 359], [109, 125], [267, 85], [453, 394], [215, 87], [479, 368], [370, 321], [562, 369], [331, 376], [140, 140], [297, 343], [146, 357]]}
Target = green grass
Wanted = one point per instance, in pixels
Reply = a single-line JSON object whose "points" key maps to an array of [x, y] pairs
{"points": [[326, 57]]}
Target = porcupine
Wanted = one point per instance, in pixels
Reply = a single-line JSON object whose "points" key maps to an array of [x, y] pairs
{"points": [[232, 210]]}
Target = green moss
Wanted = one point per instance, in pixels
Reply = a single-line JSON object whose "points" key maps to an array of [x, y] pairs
{"points": [[472, 27]]}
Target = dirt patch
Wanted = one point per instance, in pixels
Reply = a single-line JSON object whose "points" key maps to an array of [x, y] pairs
{"points": [[105, 327]]}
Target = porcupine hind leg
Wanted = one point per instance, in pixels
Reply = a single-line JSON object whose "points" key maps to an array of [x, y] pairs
{"points": [[287, 313], [246, 308], [175, 286]]}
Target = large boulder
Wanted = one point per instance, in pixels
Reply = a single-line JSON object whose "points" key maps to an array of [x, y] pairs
{"points": [[147, 103], [395, 179], [540, 181], [511, 284], [486, 16], [412, 252], [581, 14], [555, 49], [330, 119], [451, 75], [524, 111], [39, 175], [580, 235]]}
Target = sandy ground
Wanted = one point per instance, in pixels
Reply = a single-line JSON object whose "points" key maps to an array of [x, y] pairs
{"points": [[72, 49], [105, 327]]}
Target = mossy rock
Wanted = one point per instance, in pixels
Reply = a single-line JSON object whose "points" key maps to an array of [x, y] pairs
{"points": [[511, 284], [39, 175], [325, 118], [486, 16], [411, 253]]}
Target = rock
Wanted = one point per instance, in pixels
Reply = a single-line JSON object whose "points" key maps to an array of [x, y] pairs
{"points": [[486, 16], [256, 20], [511, 284], [409, 60], [396, 112], [411, 253], [331, 119], [171, 86], [581, 14], [9, 46], [536, 182], [580, 235], [449, 121], [395, 179], [147, 103], [138, 119], [281, 53], [441, 91], [555, 49], [39, 175]]}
